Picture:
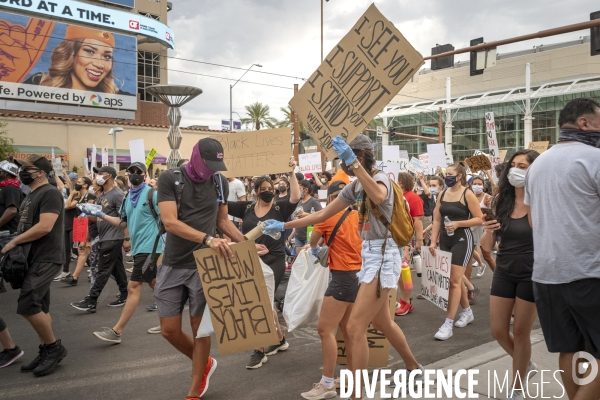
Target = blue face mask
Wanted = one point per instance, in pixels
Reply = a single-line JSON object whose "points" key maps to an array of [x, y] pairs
{"points": [[434, 191], [450, 181]]}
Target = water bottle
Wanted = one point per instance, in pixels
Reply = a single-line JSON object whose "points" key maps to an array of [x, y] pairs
{"points": [[274, 235], [406, 276], [447, 222], [417, 263]]}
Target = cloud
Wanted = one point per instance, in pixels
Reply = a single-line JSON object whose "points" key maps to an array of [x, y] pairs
{"points": [[284, 36]]}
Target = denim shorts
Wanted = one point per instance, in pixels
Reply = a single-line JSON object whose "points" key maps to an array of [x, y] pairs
{"points": [[301, 243], [371, 263]]}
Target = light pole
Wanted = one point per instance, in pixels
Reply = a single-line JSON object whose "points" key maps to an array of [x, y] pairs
{"points": [[322, 29], [113, 132], [230, 96]]}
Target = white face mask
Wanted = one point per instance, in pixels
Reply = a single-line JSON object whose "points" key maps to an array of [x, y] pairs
{"points": [[100, 180], [516, 177], [477, 189]]}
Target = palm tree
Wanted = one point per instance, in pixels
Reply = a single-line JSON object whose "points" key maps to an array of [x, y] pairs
{"points": [[258, 115], [287, 121]]}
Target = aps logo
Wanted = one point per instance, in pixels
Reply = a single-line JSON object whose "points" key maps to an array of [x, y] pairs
{"points": [[133, 24], [168, 36], [95, 99]]}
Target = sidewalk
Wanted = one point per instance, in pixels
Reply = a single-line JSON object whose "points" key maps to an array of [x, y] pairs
{"points": [[491, 357]]}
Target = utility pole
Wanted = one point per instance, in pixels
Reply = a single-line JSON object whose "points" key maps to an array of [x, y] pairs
{"points": [[440, 139], [528, 118], [296, 129]]}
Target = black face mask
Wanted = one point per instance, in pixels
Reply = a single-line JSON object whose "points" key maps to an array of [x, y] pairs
{"points": [[136, 179], [267, 197], [78, 187], [26, 177], [282, 188]]}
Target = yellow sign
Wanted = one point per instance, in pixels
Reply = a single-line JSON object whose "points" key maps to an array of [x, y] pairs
{"points": [[150, 157], [540, 147], [359, 77]]}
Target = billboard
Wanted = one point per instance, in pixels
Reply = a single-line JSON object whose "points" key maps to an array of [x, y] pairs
{"points": [[237, 125], [124, 3], [97, 16], [46, 61]]}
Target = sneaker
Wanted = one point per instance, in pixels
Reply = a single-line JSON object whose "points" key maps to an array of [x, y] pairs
{"points": [[8, 357], [516, 395], [130, 270], [128, 254], [36, 361], [156, 329], [86, 305], [60, 276], [403, 308], [256, 360], [272, 350], [51, 355], [211, 366], [481, 270], [117, 303], [152, 307], [69, 280], [472, 294], [320, 391], [532, 370], [336, 382], [108, 335], [475, 264], [465, 319], [74, 257], [445, 332]]}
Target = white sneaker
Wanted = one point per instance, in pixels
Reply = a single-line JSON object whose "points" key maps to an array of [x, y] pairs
{"points": [[465, 319], [60, 276], [516, 395], [475, 264], [533, 369], [481, 270], [445, 332], [156, 329]]}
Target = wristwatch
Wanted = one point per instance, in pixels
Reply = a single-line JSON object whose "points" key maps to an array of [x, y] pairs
{"points": [[210, 239], [354, 165], [127, 239]]}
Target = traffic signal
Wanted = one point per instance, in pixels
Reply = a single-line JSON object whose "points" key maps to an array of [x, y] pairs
{"points": [[474, 70], [442, 62], [595, 35], [392, 133]]}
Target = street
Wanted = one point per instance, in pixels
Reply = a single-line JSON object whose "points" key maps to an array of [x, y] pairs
{"points": [[146, 366]]}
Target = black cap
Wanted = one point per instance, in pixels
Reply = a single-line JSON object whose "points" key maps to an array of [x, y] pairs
{"points": [[335, 187], [139, 165], [36, 161], [299, 176], [108, 169], [212, 153]]}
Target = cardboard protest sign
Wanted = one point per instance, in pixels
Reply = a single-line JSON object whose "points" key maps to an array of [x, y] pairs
{"points": [[435, 278], [122, 172], [80, 229], [490, 128], [310, 162], [379, 346], [540, 147], [359, 77], [503, 155], [479, 163], [236, 293], [436, 155], [257, 152]]}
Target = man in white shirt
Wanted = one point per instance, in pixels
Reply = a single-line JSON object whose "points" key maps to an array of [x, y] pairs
{"points": [[237, 192]]}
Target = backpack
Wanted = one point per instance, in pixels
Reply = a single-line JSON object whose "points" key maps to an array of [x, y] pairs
{"points": [[401, 225]]}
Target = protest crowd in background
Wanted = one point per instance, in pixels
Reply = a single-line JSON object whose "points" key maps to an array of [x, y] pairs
{"points": [[149, 228]]}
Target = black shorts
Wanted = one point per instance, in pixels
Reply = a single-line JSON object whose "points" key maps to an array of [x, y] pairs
{"points": [[343, 286], [138, 273], [35, 292], [507, 286], [460, 245], [568, 314]]}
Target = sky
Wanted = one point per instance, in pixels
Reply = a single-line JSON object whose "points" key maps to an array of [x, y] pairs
{"points": [[284, 37]]}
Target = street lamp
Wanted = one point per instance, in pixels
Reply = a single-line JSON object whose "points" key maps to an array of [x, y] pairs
{"points": [[230, 96], [113, 132], [322, 28]]}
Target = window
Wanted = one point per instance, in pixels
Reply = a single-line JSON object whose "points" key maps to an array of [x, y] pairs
{"points": [[145, 14], [148, 73]]}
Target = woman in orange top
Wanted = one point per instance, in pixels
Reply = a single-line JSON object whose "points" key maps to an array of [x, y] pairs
{"points": [[344, 262]]}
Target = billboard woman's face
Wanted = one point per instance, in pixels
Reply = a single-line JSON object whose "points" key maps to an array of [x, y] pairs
{"points": [[92, 63]]}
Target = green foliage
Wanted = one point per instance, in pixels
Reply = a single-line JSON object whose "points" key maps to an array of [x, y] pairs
{"points": [[6, 142], [75, 169], [259, 116]]}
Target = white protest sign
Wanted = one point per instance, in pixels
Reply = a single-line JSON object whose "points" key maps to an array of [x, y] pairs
{"points": [[380, 131], [435, 281], [86, 167], [359, 77], [105, 156], [403, 154], [391, 169], [93, 159], [436, 155], [415, 166], [449, 159], [403, 163], [323, 194], [136, 151], [390, 152], [310, 162], [490, 127], [424, 158], [328, 166]]}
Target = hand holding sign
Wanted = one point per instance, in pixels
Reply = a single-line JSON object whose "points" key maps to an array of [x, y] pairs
{"points": [[343, 150]]}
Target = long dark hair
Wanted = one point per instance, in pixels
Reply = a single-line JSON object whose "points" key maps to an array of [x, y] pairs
{"points": [[504, 203]]}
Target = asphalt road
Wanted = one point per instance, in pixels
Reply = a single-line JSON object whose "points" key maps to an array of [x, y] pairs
{"points": [[145, 366]]}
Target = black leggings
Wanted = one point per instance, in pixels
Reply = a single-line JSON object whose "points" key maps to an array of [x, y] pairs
{"points": [[2, 324], [277, 264], [460, 245]]}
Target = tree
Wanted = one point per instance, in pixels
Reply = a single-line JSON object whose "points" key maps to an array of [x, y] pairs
{"points": [[258, 116], [287, 120], [375, 123], [6, 142]]}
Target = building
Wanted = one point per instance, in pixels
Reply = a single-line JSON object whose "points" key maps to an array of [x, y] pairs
{"points": [[559, 73], [139, 59]]}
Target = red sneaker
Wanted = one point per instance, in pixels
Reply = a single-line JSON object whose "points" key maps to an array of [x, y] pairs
{"points": [[211, 365], [404, 308]]}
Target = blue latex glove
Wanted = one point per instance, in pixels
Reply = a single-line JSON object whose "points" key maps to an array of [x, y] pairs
{"points": [[315, 252], [89, 211], [271, 226], [344, 151]]}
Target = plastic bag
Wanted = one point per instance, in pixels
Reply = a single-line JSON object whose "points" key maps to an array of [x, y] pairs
{"points": [[305, 292], [206, 326]]}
